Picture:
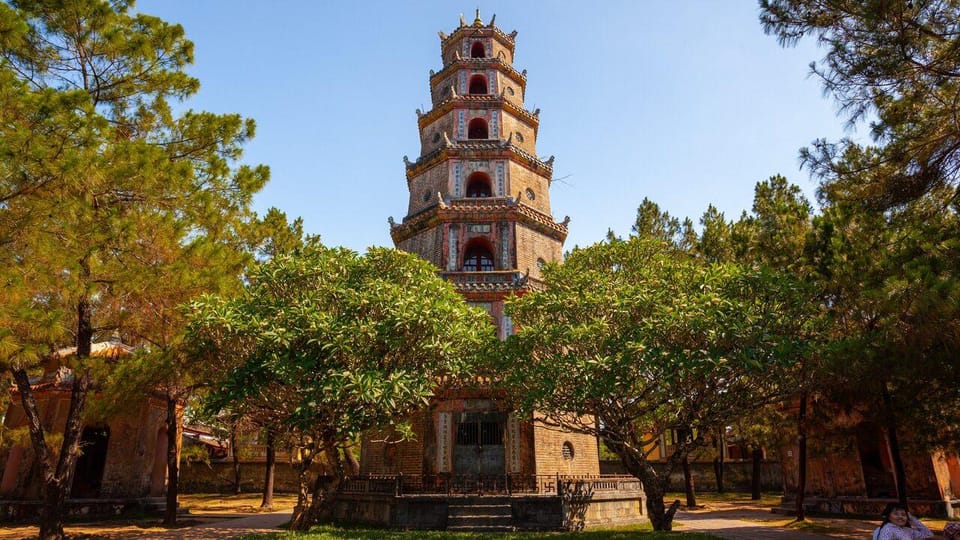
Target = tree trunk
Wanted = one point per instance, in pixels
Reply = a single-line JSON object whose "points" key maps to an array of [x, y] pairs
{"points": [[900, 475], [321, 507], [688, 483], [50, 525], [801, 456], [301, 519], [757, 457], [234, 449], [718, 461], [56, 480], [353, 466], [654, 487], [267, 501], [173, 463]]}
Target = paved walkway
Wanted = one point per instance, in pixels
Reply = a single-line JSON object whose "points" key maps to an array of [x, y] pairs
{"points": [[229, 528], [755, 524]]}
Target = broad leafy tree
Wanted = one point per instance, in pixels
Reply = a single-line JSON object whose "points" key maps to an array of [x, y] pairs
{"points": [[337, 344], [633, 338], [104, 188]]}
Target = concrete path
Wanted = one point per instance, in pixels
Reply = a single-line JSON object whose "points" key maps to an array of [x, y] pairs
{"points": [[229, 528], [754, 524]]}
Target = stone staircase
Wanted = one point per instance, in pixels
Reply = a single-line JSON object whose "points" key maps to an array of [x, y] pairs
{"points": [[480, 514]]}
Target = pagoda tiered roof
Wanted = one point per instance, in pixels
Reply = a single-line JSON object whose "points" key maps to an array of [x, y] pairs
{"points": [[480, 209], [477, 149], [478, 101], [477, 63], [478, 29]]}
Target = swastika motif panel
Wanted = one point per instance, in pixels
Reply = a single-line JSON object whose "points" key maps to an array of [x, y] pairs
{"points": [[461, 123]]}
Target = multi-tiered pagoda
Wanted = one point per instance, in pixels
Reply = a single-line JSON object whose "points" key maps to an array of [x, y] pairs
{"points": [[479, 210]]}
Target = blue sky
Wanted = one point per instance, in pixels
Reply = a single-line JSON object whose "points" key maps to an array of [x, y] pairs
{"points": [[687, 102]]}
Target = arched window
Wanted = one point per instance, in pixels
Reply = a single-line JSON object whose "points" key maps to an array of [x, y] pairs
{"points": [[477, 129], [478, 257], [478, 84], [477, 50], [478, 185]]}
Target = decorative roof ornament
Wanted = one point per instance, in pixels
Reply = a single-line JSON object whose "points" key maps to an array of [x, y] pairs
{"points": [[393, 224], [453, 90], [406, 161], [477, 21], [446, 140], [443, 35], [463, 22], [492, 19], [419, 113], [549, 161], [513, 34], [440, 200], [566, 220], [520, 281]]}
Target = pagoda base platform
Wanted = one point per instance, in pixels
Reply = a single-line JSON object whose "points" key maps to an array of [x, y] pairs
{"points": [[578, 503]]}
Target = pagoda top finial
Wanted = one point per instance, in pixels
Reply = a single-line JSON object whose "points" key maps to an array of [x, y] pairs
{"points": [[477, 21]]}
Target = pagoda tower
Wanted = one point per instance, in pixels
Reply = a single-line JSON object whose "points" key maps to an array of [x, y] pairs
{"points": [[479, 209]]}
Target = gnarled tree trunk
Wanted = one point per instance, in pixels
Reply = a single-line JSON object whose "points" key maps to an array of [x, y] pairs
{"points": [[654, 487], [57, 477]]}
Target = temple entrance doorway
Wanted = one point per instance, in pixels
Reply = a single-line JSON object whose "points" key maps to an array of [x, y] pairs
{"points": [[479, 450], [88, 472]]}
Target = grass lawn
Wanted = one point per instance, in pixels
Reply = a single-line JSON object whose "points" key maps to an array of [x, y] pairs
{"points": [[330, 532]]}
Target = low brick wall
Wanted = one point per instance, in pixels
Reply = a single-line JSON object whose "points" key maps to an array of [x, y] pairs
{"points": [[217, 477], [530, 512], [28, 511], [737, 475]]}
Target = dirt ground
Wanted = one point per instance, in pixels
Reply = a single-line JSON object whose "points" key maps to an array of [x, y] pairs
{"points": [[196, 509], [731, 504]]}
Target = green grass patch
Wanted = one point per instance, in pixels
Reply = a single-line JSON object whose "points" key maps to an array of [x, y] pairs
{"points": [[331, 532]]}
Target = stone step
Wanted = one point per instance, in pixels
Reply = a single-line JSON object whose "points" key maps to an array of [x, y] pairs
{"points": [[482, 516], [479, 510], [481, 528], [480, 520]]}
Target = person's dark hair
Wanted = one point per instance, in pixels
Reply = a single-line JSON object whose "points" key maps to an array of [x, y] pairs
{"points": [[890, 508]]}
